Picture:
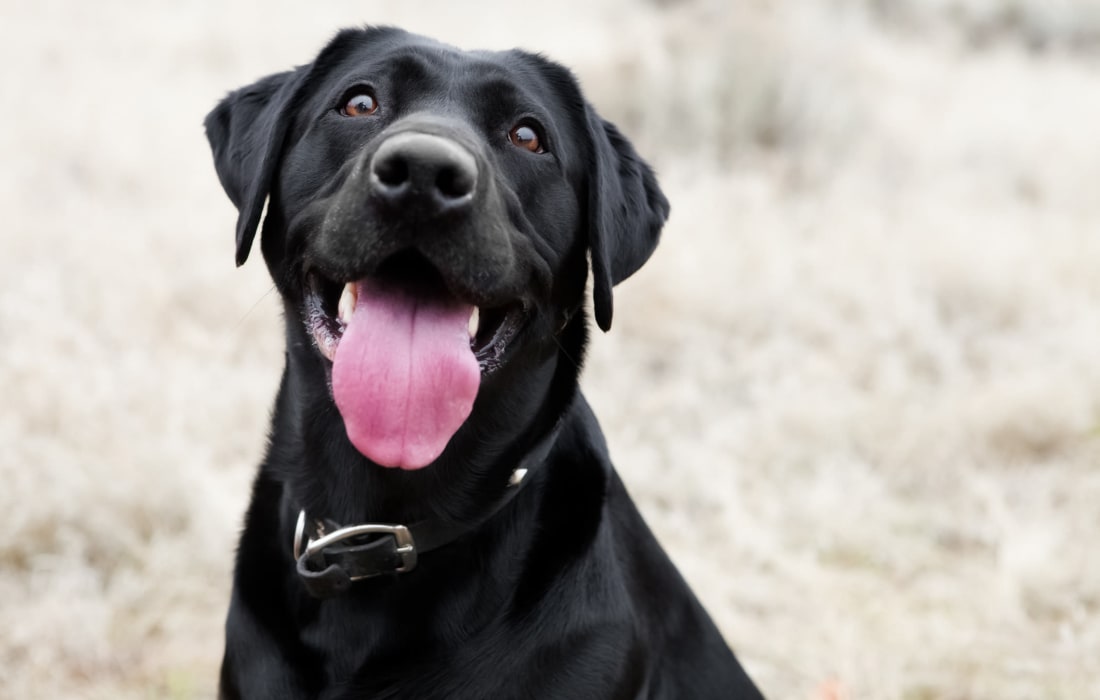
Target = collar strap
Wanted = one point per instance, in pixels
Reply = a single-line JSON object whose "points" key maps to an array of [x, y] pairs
{"points": [[332, 556]]}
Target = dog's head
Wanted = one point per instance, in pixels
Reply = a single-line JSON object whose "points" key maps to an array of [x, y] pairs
{"points": [[430, 213]]}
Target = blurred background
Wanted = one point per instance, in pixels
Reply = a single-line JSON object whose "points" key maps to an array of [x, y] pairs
{"points": [[856, 392]]}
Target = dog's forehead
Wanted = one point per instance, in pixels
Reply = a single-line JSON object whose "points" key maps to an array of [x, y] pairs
{"points": [[413, 50], [411, 59]]}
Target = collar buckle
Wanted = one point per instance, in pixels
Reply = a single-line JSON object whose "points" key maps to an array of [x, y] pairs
{"points": [[314, 549], [406, 548]]}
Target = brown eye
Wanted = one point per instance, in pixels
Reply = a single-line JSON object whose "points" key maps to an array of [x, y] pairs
{"points": [[525, 137], [360, 105]]}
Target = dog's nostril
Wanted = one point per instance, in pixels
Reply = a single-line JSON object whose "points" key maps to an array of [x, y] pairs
{"points": [[455, 182], [392, 171]]}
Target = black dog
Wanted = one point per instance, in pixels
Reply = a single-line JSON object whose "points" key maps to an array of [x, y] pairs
{"points": [[437, 515]]}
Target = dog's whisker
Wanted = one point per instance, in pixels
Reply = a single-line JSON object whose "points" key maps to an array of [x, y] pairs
{"points": [[567, 355], [252, 308]]}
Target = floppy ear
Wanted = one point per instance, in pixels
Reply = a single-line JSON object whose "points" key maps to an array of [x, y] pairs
{"points": [[246, 132], [626, 211]]}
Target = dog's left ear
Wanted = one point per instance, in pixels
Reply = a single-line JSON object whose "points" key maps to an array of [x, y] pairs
{"points": [[246, 132], [626, 211]]}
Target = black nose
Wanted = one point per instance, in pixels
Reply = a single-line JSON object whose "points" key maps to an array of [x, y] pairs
{"points": [[429, 174]]}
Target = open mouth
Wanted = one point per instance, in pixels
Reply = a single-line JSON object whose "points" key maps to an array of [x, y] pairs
{"points": [[330, 307], [406, 355]]}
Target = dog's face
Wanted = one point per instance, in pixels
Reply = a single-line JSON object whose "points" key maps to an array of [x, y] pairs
{"points": [[430, 214]]}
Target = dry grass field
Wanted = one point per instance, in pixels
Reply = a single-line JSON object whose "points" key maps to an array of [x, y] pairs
{"points": [[856, 392]]}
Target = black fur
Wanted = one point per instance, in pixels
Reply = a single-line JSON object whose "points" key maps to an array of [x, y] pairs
{"points": [[564, 593]]}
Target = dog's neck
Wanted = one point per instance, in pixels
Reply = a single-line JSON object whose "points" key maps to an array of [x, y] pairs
{"points": [[330, 479]]}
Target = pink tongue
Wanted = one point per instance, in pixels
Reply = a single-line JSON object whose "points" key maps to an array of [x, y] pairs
{"points": [[404, 376]]}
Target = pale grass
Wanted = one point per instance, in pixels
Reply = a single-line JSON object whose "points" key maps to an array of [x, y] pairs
{"points": [[856, 392]]}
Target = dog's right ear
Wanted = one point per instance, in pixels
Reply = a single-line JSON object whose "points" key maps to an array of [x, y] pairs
{"points": [[246, 132]]}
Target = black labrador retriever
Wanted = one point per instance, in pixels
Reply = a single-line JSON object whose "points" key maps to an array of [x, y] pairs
{"points": [[437, 515]]}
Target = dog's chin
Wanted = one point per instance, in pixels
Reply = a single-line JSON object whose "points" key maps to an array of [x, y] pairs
{"points": [[405, 357]]}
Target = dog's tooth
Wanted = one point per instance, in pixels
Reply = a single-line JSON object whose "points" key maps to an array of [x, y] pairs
{"points": [[475, 321], [348, 299]]}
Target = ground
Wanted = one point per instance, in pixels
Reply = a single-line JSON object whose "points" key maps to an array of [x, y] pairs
{"points": [[856, 392]]}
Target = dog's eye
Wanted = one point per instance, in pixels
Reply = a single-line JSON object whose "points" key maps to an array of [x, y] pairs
{"points": [[361, 104], [524, 136]]}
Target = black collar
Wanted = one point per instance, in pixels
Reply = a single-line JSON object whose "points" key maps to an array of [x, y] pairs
{"points": [[332, 556]]}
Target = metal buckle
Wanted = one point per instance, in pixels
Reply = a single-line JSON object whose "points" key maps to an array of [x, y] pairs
{"points": [[406, 548], [299, 534]]}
